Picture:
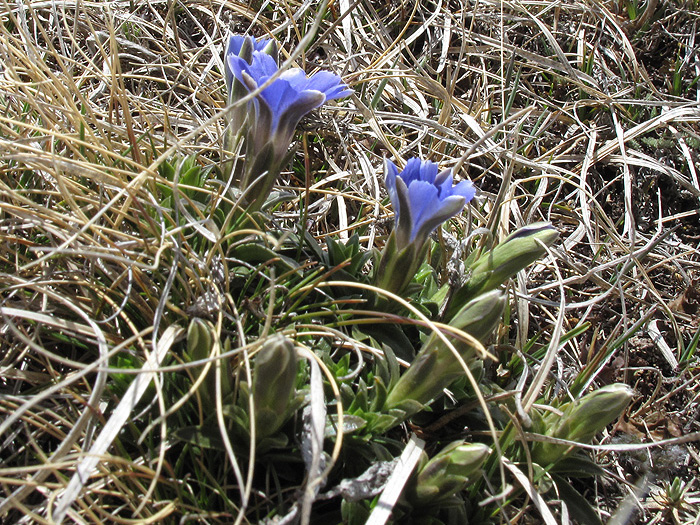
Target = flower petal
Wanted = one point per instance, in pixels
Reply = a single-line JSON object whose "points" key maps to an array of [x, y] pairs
{"points": [[237, 66], [466, 189], [428, 171], [281, 95], [263, 67], [443, 181], [412, 171], [289, 117], [324, 81], [329, 84], [296, 78], [404, 220], [235, 44], [424, 202], [390, 174], [447, 209], [247, 80]]}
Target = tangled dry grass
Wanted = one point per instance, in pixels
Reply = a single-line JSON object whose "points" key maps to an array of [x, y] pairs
{"points": [[585, 114]]}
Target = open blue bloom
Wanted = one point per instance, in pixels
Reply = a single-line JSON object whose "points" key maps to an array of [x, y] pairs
{"points": [[243, 46], [282, 104], [423, 199], [263, 128]]}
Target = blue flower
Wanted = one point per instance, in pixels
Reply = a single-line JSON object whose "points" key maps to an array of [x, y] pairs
{"points": [[235, 44], [282, 104], [423, 199], [263, 128], [243, 46]]}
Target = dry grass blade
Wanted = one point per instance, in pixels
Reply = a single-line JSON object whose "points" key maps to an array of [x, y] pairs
{"points": [[541, 505], [312, 441], [394, 485], [114, 425]]}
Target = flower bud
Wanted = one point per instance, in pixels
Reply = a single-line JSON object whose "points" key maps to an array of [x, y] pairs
{"points": [[201, 337], [582, 420], [274, 378], [494, 267], [448, 472], [436, 367]]}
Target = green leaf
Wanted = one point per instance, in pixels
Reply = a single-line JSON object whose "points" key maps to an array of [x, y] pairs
{"points": [[351, 423], [347, 394], [354, 513], [200, 436], [578, 466], [383, 422], [380, 393], [336, 252], [360, 401], [578, 507], [256, 253], [392, 336]]}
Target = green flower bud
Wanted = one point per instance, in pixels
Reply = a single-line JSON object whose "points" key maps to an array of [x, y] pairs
{"points": [[435, 367], [274, 378], [448, 472], [582, 420], [200, 339], [494, 267]]}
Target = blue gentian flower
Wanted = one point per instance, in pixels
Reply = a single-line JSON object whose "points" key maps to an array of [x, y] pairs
{"points": [[423, 199], [266, 124], [243, 46], [282, 104]]}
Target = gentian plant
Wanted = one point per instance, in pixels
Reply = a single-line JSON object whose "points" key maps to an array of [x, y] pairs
{"points": [[268, 122], [286, 383], [422, 199], [242, 47]]}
